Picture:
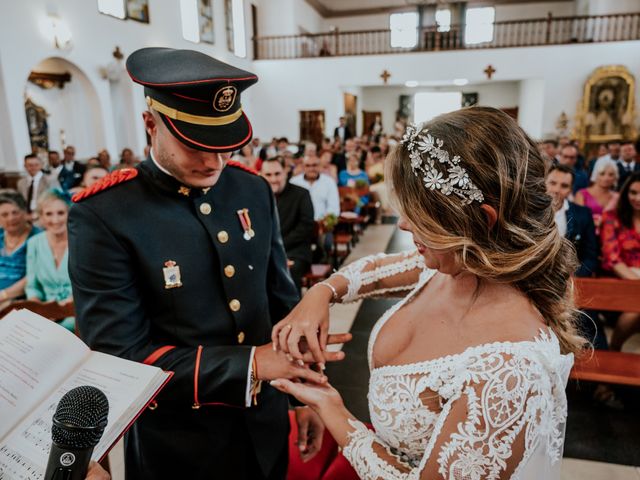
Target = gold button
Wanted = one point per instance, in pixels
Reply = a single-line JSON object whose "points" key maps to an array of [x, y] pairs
{"points": [[148, 100], [223, 237], [241, 337], [234, 305], [205, 208], [229, 271]]}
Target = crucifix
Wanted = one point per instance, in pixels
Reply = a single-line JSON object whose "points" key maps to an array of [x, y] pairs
{"points": [[489, 71], [385, 76]]}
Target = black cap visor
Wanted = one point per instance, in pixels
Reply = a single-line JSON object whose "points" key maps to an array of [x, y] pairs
{"points": [[221, 138]]}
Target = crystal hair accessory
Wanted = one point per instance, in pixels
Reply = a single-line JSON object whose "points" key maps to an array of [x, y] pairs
{"points": [[420, 142]]}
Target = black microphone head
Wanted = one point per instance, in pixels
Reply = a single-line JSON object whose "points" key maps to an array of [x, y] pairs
{"points": [[80, 418]]}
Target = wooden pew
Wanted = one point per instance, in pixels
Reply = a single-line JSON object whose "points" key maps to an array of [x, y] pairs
{"points": [[50, 310], [602, 365]]}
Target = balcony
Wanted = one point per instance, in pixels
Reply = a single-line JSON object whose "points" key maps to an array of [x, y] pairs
{"points": [[510, 34]]}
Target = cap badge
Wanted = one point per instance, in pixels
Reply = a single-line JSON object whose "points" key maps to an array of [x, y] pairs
{"points": [[224, 98], [171, 272], [245, 221]]}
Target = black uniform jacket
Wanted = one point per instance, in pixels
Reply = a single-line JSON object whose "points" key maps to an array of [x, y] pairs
{"points": [[231, 292]]}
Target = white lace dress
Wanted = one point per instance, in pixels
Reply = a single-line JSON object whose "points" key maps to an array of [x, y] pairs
{"points": [[497, 410]]}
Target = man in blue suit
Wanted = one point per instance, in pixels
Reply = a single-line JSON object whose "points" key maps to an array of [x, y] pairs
{"points": [[575, 223]]}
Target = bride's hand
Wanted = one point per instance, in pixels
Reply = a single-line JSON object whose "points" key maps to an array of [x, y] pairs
{"points": [[320, 397], [308, 320]]}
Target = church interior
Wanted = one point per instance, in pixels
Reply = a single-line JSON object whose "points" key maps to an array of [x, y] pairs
{"points": [[565, 70]]}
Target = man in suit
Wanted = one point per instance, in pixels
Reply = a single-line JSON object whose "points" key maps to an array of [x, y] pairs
{"points": [[72, 171], [575, 223], [190, 275], [569, 157], [35, 183], [627, 162], [296, 217], [342, 131]]}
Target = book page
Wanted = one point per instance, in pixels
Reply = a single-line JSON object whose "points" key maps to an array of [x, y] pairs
{"points": [[25, 452], [36, 354]]}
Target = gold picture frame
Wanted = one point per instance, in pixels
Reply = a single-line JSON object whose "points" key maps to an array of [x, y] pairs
{"points": [[606, 112]]}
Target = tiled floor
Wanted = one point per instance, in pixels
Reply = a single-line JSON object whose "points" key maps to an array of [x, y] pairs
{"points": [[374, 240]]}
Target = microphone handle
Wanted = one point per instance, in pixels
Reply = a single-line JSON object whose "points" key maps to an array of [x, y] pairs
{"points": [[67, 463]]}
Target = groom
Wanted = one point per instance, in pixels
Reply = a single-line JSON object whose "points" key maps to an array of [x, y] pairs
{"points": [[180, 264]]}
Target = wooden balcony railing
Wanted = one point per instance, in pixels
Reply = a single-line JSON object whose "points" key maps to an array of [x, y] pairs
{"points": [[515, 33]]}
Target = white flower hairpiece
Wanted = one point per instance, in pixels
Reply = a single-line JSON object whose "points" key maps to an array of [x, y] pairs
{"points": [[420, 142]]}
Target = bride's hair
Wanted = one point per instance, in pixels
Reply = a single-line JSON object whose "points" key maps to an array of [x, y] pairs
{"points": [[524, 247]]}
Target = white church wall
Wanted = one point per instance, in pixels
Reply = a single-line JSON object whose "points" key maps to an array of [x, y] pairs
{"points": [[604, 7], [94, 36], [531, 108], [286, 85], [386, 99], [534, 10]]}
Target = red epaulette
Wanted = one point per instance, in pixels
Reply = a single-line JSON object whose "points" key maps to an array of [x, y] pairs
{"points": [[241, 166], [114, 178]]}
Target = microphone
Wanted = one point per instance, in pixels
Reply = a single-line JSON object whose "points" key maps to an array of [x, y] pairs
{"points": [[78, 424]]}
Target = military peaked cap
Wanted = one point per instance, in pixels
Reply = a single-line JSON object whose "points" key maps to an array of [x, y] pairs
{"points": [[197, 96]]}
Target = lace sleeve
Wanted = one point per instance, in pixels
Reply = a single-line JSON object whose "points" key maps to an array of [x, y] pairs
{"points": [[496, 420], [382, 274]]}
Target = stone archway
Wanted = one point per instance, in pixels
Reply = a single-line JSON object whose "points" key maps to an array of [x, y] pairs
{"points": [[74, 115]]}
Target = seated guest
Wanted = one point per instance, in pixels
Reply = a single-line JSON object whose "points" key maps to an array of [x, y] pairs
{"points": [[353, 173], [326, 166], [575, 223], [127, 158], [47, 254], [353, 176], [602, 151], [246, 157], [105, 159], [35, 183], [91, 176], [627, 162], [323, 190], [549, 149], [569, 157], [14, 232], [70, 175], [601, 195], [296, 217], [621, 250]]}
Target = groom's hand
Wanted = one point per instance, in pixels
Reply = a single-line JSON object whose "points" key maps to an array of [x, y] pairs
{"points": [[277, 364]]}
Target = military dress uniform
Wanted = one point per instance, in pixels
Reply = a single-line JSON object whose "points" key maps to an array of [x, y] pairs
{"points": [[189, 280]]}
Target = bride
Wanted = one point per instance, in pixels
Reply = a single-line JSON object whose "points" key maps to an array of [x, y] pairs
{"points": [[468, 371]]}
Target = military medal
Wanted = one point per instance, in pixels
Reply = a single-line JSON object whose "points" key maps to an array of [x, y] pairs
{"points": [[171, 272], [245, 221]]}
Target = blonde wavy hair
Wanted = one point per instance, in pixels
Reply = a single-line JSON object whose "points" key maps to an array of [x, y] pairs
{"points": [[523, 248]]}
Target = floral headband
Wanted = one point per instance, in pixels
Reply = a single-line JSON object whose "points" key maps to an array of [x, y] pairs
{"points": [[420, 142]]}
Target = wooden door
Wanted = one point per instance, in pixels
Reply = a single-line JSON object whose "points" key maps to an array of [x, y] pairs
{"points": [[512, 112], [368, 118], [312, 126]]}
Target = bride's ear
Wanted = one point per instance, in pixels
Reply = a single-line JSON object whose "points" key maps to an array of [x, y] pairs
{"points": [[490, 213]]}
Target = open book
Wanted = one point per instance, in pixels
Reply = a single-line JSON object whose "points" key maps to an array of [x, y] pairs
{"points": [[40, 361]]}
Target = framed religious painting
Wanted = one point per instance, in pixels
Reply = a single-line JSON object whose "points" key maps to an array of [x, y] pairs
{"points": [[38, 127], [607, 109], [469, 99], [138, 10]]}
